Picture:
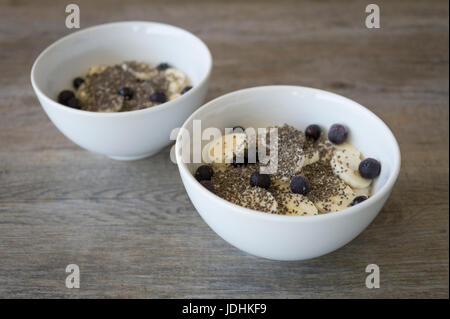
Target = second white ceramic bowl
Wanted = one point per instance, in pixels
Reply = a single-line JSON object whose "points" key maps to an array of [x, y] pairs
{"points": [[128, 135], [291, 237]]}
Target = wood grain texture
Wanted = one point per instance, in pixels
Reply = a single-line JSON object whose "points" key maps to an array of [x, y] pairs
{"points": [[131, 227]]}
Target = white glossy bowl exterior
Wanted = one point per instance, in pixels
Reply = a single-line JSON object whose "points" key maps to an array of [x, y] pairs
{"points": [[127, 135], [292, 237]]}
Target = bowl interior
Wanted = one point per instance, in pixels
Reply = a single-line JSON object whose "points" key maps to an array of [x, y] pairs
{"points": [[112, 43], [300, 107]]}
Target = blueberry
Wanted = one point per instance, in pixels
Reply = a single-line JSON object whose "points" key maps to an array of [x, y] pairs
{"points": [[159, 97], [208, 185], [187, 88], [337, 134], [163, 66], [260, 180], [369, 168], [65, 96], [238, 129], [300, 185], [77, 82], [74, 103], [313, 131], [127, 93], [204, 173], [358, 200]]}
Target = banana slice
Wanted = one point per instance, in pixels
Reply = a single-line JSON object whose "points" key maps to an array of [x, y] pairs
{"points": [[307, 158], [220, 151], [363, 191], [311, 157], [258, 198], [345, 163], [298, 167], [174, 96], [296, 204], [347, 147], [336, 202], [177, 80], [290, 203], [96, 69]]}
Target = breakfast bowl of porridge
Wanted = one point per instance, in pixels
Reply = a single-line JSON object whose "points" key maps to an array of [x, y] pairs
{"points": [[287, 172], [119, 89]]}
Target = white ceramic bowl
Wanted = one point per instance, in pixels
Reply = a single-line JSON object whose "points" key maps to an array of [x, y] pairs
{"points": [[291, 237], [127, 135]]}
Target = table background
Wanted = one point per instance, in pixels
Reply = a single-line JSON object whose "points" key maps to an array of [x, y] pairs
{"points": [[131, 227]]}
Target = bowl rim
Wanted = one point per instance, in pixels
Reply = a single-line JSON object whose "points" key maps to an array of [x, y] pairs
{"points": [[152, 109], [385, 189]]}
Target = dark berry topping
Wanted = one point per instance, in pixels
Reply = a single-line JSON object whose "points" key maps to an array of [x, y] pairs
{"points": [[77, 82], [300, 185], [358, 200], [187, 88], [208, 185], [238, 129], [369, 168], [159, 97], [337, 134], [260, 180], [204, 173], [127, 93], [65, 96], [163, 66], [74, 103], [313, 131]]}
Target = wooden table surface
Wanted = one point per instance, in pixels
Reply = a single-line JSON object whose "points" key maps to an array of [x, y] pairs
{"points": [[131, 227]]}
